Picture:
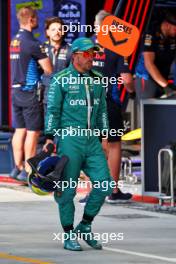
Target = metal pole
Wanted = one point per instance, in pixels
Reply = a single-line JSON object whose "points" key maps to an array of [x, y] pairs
{"points": [[159, 176], [171, 197]]}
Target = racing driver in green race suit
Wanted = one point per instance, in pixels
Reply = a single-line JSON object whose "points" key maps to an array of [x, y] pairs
{"points": [[75, 107]]}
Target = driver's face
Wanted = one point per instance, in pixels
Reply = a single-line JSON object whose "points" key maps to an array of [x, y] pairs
{"points": [[84, 59]]}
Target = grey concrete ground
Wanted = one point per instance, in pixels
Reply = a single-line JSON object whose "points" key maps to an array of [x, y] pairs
{"points": [[28, 223]]}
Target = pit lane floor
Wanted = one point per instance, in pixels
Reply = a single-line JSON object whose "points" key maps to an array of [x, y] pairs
{"points": [[29, 228]]}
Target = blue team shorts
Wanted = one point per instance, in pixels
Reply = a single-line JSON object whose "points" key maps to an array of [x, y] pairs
{"points": [[27, 111]]}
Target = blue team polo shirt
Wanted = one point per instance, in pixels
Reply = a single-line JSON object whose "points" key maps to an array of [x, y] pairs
{"points": [[25, 51]]}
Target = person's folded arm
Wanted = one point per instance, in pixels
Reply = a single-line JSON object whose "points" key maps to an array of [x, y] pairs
{"points": [[149, 58], [46, 66]]}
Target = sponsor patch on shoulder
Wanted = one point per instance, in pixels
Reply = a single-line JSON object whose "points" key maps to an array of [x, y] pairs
{"points": [[148, 40]]}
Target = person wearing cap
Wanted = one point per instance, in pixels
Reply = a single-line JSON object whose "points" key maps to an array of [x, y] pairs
{"points": [[157, 54], [82, 106], [57, 49]]}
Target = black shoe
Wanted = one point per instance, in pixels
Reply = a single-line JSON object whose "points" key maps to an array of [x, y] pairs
{"points": [[14, 173], [119, 196]]}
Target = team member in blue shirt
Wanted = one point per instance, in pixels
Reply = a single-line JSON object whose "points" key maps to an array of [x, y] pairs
{"points": [[28, 59], [157, 54]]}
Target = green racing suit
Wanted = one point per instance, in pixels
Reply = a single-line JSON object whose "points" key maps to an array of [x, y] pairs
{"points": [[81, 106]]}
